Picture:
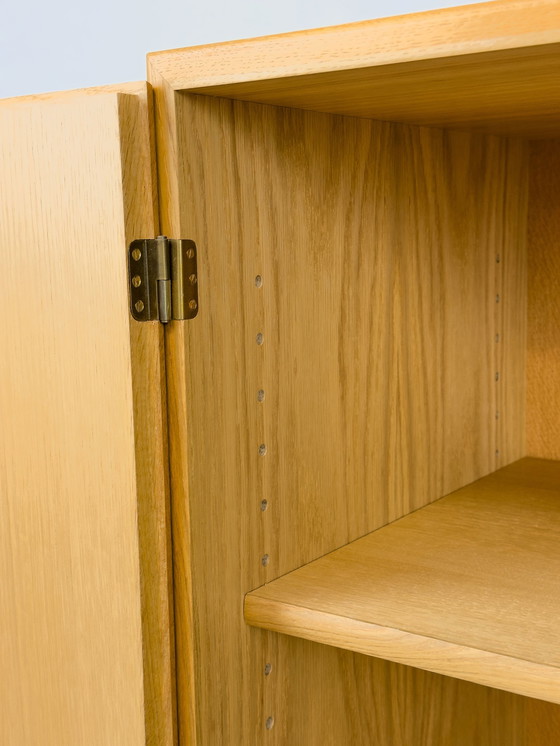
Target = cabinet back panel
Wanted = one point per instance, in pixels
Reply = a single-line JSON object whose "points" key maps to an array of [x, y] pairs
{"points": [[377, 247], [543, 344]]}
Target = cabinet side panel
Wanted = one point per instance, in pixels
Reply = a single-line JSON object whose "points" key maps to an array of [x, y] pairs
{"points": [[543, 344], [340, 374], [150, 436]]}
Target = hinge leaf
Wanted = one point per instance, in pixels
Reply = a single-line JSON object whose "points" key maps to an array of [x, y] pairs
{"points": [[163, 279]]}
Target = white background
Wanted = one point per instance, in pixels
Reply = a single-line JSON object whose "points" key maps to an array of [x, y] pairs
{"points": [[49, 45]]}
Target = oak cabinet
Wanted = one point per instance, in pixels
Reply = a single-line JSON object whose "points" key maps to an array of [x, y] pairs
{"points": [[326, 509]]}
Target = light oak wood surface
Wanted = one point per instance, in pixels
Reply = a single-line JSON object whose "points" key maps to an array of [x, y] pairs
{"points": [[85, 641], [340, 698], [336, 697], [468, 586], [168, 169], [362, 306], [139, 89], [492, 66], [140, 205], [391, 302], [543, 342], [387, 315]]}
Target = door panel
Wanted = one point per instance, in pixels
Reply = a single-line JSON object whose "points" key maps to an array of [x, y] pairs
{"points": [[85, 642]]}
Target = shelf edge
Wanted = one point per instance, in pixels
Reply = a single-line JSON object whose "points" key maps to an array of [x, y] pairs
{"points": [[438, 656]]}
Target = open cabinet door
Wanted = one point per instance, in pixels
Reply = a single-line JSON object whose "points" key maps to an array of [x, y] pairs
{"points": [[85, 634]]}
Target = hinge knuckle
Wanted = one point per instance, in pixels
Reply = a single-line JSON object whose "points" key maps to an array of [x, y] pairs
{"points": [[164, 301], [163, 279]]}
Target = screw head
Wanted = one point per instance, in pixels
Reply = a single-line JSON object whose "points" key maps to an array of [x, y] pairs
{"points": [[190, 253], [136, 281], [136, 254], [193, 305], [192, 279], [139, 306]]}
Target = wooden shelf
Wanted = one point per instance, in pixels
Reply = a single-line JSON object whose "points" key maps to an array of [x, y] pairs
{"points": [[468, 587]]}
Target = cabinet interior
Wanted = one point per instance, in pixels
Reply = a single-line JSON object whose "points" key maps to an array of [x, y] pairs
{"points": [[407, 306]]}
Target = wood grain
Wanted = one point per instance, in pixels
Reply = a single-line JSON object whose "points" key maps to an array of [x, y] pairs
{"points": [[492, 66], [140, 89], [176, 378], [85, 644], [377, 366], [466, 587], [336, 697], [541, 723], [543, 350], [510, 342], [150, 436]]}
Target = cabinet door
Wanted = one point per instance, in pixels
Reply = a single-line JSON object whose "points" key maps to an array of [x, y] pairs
{"points": [[85, 644]]}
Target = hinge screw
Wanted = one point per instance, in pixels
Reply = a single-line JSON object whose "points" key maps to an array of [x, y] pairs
{"points": [[192, 279], [193, 305], [190, 253], [136, 281], [139, 306], [136, 254]]}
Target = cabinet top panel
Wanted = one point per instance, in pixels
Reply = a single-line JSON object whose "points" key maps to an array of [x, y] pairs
{"points": [[492, 66]]}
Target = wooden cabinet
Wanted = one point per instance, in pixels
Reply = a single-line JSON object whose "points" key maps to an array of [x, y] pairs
{"points": [[325, 511]]}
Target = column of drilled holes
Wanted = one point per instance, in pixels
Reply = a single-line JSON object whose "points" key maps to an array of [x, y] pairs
{"points": [[263, 501], [498, 347]]}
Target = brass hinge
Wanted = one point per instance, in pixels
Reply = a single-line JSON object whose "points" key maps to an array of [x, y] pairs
{"points": [[163, 279]]}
